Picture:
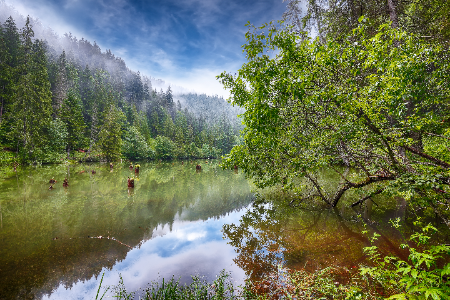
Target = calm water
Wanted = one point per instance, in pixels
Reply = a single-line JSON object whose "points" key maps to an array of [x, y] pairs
{"points": [[56, 243]]}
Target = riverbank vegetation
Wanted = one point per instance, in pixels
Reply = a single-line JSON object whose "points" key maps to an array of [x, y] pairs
{"points": [[63, 98], [312, 252], [374, 97], [360, 89]]}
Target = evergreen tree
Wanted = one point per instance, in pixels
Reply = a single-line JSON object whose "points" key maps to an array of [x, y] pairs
{"points": [[110, 136], [168, 101], [61, 83], [72, 116], [136, 90], [12, 43], [32, 105], [37, 80], [9, 55]]}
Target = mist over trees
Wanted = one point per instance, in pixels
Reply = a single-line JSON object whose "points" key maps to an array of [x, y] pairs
{"points": [[60, 94]]}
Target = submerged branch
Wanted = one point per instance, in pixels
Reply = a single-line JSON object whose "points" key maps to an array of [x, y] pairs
{"points": [[317, 186]]}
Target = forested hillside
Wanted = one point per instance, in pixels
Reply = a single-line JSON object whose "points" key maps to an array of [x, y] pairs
{"points": [[63, 96]]}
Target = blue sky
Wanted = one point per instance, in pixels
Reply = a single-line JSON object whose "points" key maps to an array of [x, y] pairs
{"points": [[185, 42]]}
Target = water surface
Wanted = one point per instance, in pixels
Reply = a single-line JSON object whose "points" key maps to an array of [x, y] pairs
{"points": [[57, 243]]}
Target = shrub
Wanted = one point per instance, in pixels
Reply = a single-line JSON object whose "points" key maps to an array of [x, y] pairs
{"points": [[424, 275], [165, 148], [135, 146]]}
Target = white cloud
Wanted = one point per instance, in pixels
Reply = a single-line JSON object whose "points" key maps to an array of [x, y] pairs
{"points": [[186, 55], [47, 16], [201, 81], [200, 256]]}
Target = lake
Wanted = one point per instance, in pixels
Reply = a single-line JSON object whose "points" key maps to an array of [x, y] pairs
{"points": [[177, 221], [57, 243]]}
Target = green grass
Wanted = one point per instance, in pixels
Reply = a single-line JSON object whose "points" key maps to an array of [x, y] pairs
{"points": [[221, 288]]}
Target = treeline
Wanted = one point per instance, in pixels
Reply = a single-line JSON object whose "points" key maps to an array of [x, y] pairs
{"points": [[53, 103]]}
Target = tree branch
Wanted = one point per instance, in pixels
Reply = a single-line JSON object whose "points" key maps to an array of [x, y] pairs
{"points": [[360, 201], [438, 135], [316, 185], [350, 185], [429, 157]]}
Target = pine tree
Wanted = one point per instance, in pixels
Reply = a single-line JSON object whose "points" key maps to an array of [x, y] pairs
{"points": [[61, 83], [32, 105], [9, 52], [169, 105], [12, 42], [72, 116], [110, 136]]}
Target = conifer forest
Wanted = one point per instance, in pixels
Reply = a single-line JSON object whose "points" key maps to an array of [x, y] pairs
{"points": [[70, 100]]}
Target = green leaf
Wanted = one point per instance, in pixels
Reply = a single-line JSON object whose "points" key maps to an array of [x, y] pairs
{"points": [[446, 270]]}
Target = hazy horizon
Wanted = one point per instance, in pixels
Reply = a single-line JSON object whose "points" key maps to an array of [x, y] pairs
{"points": [[186, 44]]}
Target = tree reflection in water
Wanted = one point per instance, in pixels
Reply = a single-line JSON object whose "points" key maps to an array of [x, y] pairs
{"points": [[274, 239]]}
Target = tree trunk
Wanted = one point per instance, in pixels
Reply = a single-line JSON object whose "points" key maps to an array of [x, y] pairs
{"points": [[393, 13], [319, 25]]}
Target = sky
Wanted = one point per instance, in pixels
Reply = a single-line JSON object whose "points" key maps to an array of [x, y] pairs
{"points": [[186, 43]]}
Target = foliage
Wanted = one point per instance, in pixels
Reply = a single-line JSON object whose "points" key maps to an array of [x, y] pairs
{"points": [[194, 151], [336, 19], [53, 151], [210, 152], [71, 114], [221, 288], [32, 106], [110, 136], [364, 102], [135, 147], [425, 275], [6, 158], [57, 136], [78, 84], [164, 147]]}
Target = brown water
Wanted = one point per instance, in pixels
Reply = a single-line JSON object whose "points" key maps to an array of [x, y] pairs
{"points": [[274, 238]]}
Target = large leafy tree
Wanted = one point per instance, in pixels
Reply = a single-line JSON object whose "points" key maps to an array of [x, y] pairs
{"points": [[376, 103], [337, 18]]}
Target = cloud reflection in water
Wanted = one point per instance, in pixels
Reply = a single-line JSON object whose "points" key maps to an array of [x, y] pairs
{"points": [[191, 248]]}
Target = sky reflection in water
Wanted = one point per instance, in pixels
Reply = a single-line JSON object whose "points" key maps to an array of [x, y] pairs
{"points": [[191, 248], [168, 225]]}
